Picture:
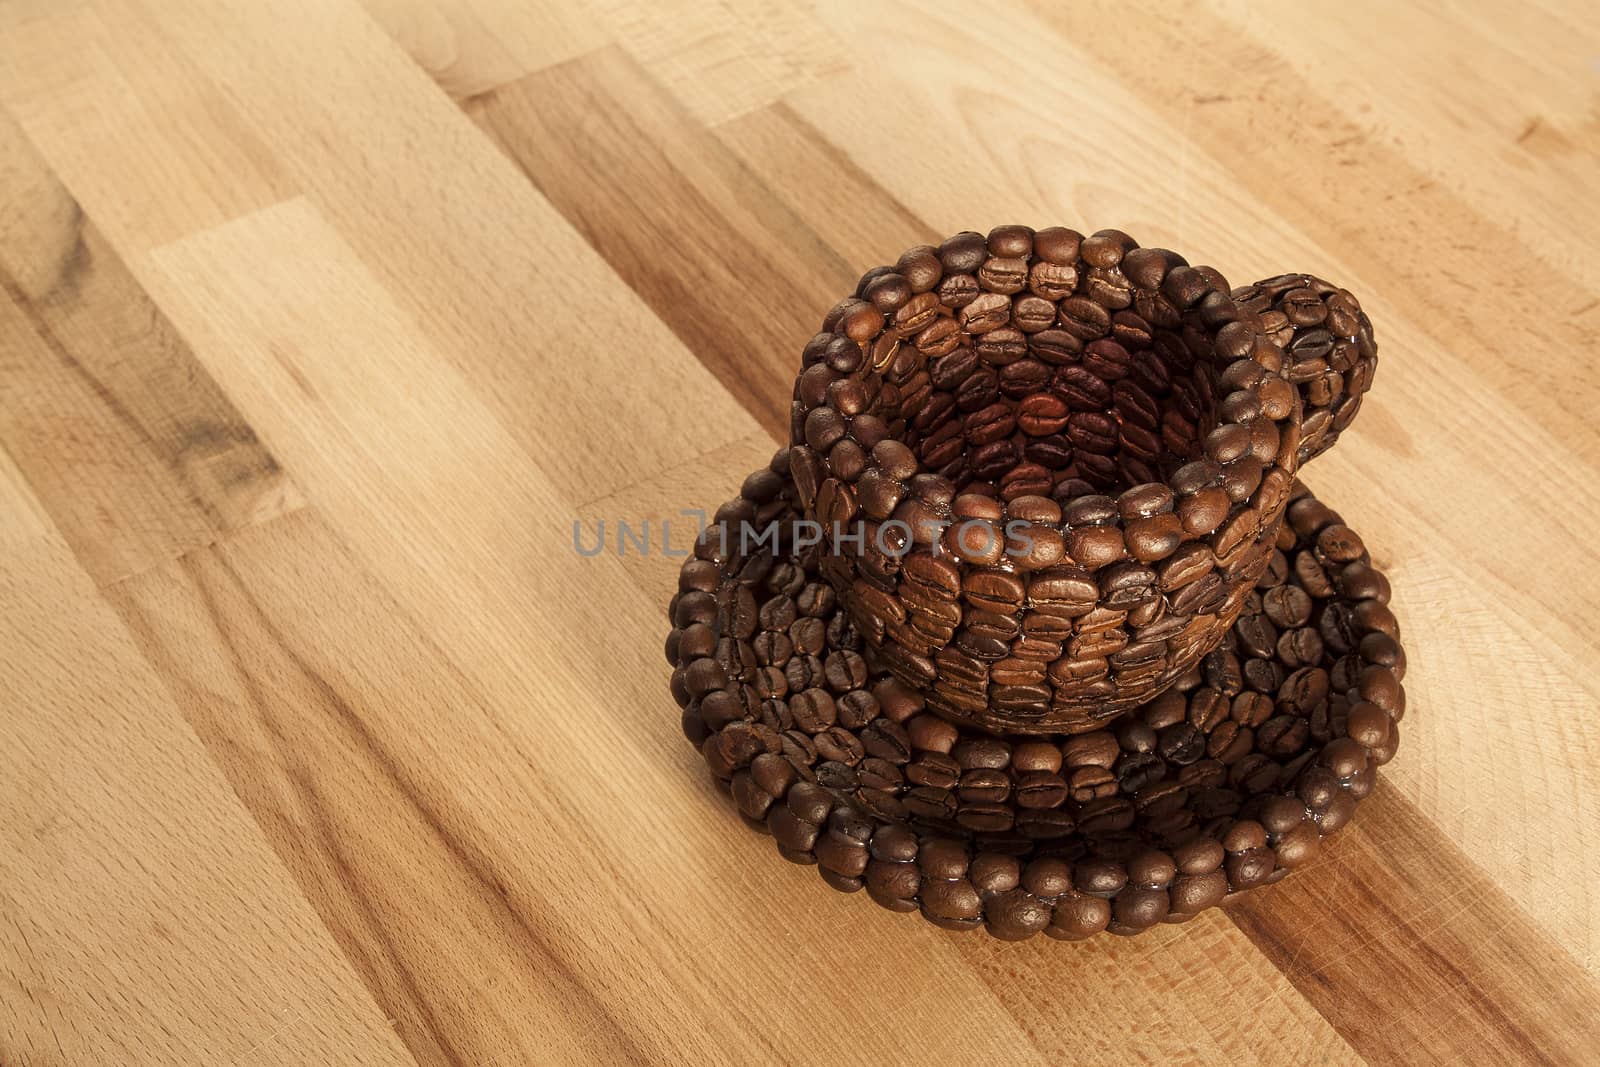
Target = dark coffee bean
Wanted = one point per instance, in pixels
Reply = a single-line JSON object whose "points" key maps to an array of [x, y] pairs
{"points": [[1042, 414], [984, 312], [933, 770], [813, 710], [1287, 606], [1181, 743], [1110, 814], [1004, 274], [1084, 318], [1256, 635], [1300, 647], [1283, 735], [856, 708], [845, 671], [1091, 783], [1097, 749], [1055, 347], [984, 787], [837, 743], [1303, 691], [1041, 789]]}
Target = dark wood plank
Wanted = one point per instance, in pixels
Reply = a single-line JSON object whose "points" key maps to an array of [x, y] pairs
{"points": [[1415, 956]]}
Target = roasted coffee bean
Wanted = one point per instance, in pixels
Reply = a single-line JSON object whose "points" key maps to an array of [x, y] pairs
{"points": [[1091, 431], [1287, 606], [1135, 771], [964, 253], [982, 753], [1094, 547], [839, 777], [1004, 274], [1283, 735], [984, 787], [983, 313], [839, 744], [1085, 392], [1110, 814], [1154, 538], [1091, 783], [1303, 691], [1042, 414], [1301, 647], [933, 770], [976, 393], [856, 708], [1256, 635], [1055, 347], [813, 710], [887, 740], [1097, 749], [845, 671], [1181, 743], [1084, 318], [1025, 376]]}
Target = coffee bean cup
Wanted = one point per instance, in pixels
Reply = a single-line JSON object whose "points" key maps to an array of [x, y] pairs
{"points": [[956, 403]]}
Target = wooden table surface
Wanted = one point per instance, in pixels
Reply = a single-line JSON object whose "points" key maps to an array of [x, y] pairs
{"points": [[322, 322]]}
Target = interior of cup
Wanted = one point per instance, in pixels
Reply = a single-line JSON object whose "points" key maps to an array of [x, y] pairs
{"points": [[1096, 402]]}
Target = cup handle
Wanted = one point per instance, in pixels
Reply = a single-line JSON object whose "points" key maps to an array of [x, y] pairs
{"points": [[1329, 351]]}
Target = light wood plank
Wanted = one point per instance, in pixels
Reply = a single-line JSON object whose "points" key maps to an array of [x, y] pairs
{"points": [[135, 453], [492, 276], [1522, 156], [473, 46], [150, 148], [842, 203], [422, 849], [723, 58], [142, 917]]}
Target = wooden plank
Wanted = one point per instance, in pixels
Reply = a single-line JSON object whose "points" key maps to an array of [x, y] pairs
{"points": [[22, 517], [135, 453], [1434, 963], [1199, 993], [723, 58], [491, 274], [151, 149], [142, 919], [422, 850], [1520, 156], [707, 244], [472, 46], [840, 202]]}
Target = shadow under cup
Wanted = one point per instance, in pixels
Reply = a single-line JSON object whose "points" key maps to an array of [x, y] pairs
{"points": [[1049, 469]]}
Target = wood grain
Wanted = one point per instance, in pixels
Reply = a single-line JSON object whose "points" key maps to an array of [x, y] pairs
{"points": [[136, 451], [322, 323], [145, 920], [710, 241]]}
